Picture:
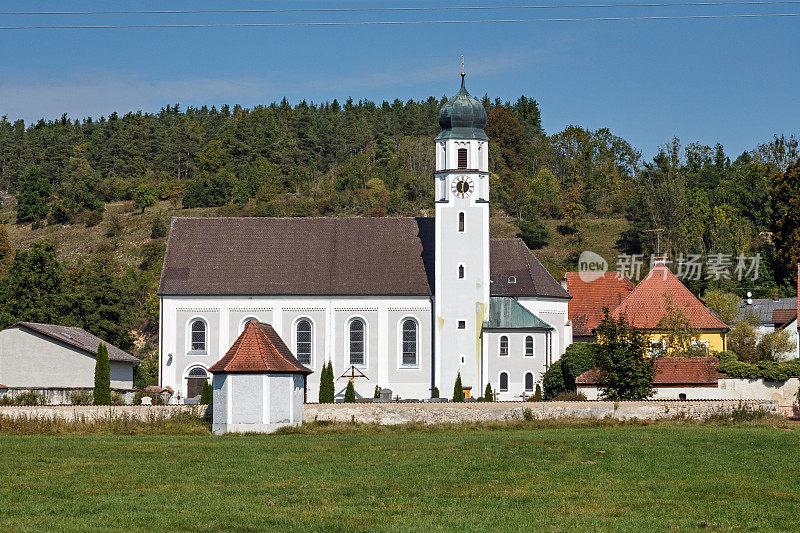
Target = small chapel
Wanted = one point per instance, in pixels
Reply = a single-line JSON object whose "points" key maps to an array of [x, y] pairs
{"points": [[407, 304]]}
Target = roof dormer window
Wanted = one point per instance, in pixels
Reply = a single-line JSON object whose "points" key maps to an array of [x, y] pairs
{"points": [[512, 279]]}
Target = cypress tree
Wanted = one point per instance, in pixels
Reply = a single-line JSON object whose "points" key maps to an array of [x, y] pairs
{"points": [[102, 377], [487, 395], [537, 396], [350, 393], [458, 390], [326, 387], [207, 394]]}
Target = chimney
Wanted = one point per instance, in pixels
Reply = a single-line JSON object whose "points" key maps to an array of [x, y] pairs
{"points": [[564, 283]]}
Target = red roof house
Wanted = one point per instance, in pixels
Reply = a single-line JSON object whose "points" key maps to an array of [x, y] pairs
{"points": [[589, 298], [672, 372], [646, 305]]}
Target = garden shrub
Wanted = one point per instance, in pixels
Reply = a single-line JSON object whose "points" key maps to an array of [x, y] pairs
{"points": [[435, 392], [458, 390], [207, 394], [326, 387], [570, 396], [117, 399], [30, 398], [560, 377], [102, 377], [81, 397], [537, 396], [350, 393], [487, 395]]}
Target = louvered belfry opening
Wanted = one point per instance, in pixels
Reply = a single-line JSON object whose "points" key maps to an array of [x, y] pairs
{"points": [[462, 158]]}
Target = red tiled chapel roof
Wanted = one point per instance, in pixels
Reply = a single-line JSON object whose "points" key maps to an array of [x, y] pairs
{"points": [[259, 349]]}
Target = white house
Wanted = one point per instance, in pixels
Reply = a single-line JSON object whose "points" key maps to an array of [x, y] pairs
{"points": [[773, 314], [404, 300], [54, 360]]}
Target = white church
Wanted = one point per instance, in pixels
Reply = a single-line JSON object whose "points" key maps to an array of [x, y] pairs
{"points": [[407, 303]]}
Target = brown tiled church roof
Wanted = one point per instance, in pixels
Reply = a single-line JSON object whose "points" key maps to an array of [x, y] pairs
{"points": [[259, 349], [327, 257], [589, 298], [672, 371], [647, 304], [511, 258]]}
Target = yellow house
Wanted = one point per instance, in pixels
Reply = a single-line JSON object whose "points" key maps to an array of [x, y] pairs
{"points": [[647, 305]]}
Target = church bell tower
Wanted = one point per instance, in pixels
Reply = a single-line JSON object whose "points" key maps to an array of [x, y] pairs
{"points": [[462, 242]]}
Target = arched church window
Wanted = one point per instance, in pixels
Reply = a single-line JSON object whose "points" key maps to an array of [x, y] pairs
{"points": [[198, 335], [461, 221], [503, 382], [357, 328], [462, 158], [529, 346], [503, 346], [529, 382], [409, 342], [460, 271], [303, 344]]}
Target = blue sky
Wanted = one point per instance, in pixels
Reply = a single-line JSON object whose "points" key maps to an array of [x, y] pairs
{"points": [[733, 81]]}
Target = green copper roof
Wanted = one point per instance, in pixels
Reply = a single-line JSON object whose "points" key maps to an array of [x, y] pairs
{"points": [[507, 313], [462, 117]]}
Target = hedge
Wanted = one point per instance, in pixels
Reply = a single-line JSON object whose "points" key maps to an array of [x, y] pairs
{"points": [[767, 370], [560, 377]]}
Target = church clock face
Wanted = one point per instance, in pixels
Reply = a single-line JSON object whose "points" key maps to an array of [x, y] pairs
{"points": [[463, 186]]}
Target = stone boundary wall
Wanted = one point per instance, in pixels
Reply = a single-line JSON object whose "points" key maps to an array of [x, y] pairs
{"points": [[99, 412], [423, 413], [450, 413]]}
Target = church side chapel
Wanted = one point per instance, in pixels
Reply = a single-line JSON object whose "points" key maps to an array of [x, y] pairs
{"points": [[409, 303]]}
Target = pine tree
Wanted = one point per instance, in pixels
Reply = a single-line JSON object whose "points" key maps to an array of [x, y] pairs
{"points": [[487, 395], [326, 387], [102, 377], [458, 390], [207, 394], [159, 228], [6, 251], [350, 393]]}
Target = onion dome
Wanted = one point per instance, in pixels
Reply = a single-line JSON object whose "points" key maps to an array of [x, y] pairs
{"points": [[462, 117]]}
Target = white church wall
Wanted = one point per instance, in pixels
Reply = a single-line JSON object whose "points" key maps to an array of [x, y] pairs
{"points": [[516, 364], [330, 318], [554, 312]]}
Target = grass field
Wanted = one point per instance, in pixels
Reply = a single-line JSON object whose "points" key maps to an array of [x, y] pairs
{"points": [[625, 478]]}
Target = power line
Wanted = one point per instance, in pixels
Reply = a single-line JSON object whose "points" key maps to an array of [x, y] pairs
{"points": [[384, 9], [395, 22]]}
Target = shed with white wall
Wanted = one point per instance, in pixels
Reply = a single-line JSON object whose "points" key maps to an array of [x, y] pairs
{"points": [[259, 386]]}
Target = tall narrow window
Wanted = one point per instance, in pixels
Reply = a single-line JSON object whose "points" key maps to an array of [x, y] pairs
{"points": [[460, 271], [410, 342], [503, 346], [461, 222], [529, 382], [304, 341], [528, 346], [357, 341], [503, 382], [198, 334], [462, 158]]}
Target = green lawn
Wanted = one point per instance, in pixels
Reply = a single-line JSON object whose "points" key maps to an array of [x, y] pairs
{"points": [[625, 478]]}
